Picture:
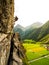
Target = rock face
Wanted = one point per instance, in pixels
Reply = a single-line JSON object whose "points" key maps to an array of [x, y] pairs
{"points": [[6, 15], [11, 50], [6, 26], [4, 48], [17, 51]]}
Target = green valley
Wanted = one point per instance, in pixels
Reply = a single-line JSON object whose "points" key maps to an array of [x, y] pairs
{"points": [[35, 51], [36, 42]]}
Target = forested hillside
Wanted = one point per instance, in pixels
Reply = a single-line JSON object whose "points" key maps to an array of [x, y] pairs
{"points": [[34, 31]]}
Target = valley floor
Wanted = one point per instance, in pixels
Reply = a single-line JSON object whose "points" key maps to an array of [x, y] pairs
{"points": [[46, 56], [43, 61], [37, 54]]}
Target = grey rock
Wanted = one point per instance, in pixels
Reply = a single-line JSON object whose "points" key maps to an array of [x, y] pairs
{"points": [[11, 50]]}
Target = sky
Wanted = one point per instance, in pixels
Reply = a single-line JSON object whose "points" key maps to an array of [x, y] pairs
{"points": [[31, 11]]}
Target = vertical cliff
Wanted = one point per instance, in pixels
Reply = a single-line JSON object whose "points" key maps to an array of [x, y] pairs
{"points": [[11, 50], [17, 52], [6, 27]]}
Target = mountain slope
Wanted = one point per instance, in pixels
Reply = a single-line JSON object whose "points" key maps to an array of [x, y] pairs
{"points": [[39, 33], [45, 39], [44, 30], [30, 30], [35, 32], [26, 33], [18, 28]]}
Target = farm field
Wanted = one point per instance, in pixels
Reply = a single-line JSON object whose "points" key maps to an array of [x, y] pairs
{"points": [[44, 61], [34, 51]]}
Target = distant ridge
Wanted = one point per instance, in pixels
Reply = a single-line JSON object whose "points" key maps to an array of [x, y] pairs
{"points": [[36, 31], [19, 26], [35, 25]]}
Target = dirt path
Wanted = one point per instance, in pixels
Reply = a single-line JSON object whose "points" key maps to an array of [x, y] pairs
{"points": [[38, 59]]}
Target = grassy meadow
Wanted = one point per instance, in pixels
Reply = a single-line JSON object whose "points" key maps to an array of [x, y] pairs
{"points": [[44, 61], [36, 50]]}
